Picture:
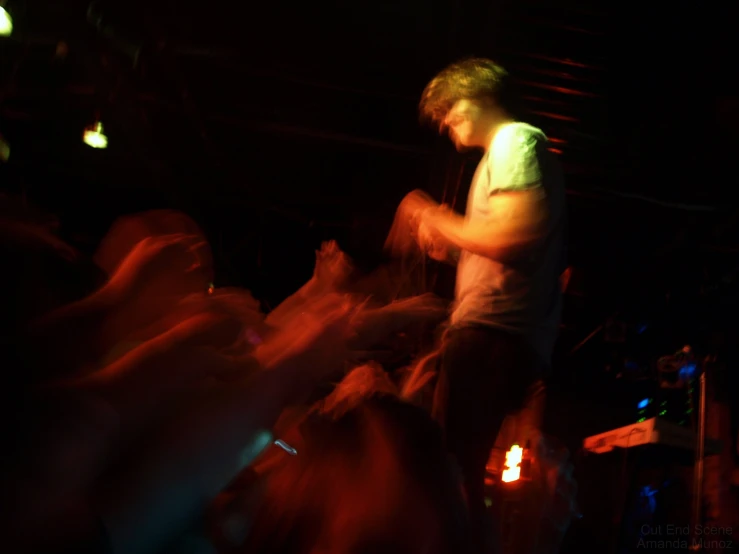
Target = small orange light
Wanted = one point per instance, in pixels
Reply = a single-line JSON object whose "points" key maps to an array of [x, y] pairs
{"points": [[513, 458], [211, 288]]}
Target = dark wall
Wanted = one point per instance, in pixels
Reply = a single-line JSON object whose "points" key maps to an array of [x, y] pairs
{"points": [[279, 126]]}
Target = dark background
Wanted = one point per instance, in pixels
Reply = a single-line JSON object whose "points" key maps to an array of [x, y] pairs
{"points": [[279, 125]]}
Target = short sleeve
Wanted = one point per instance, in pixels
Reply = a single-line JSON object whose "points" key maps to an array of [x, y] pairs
{"points": [[514, 158]]}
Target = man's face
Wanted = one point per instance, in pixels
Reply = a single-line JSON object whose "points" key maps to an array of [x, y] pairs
{"points": [[464, 124]]}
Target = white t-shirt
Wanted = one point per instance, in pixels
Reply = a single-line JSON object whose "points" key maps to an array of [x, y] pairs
{"points": [[521, 296]]}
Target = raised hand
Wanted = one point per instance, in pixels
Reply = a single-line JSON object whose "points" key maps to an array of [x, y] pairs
{"points": [[158, 273], [333, 267], [316, 340], [372, 326], [127, 231], [179, 257], [416, 202], [429, 240], [401, 240]]}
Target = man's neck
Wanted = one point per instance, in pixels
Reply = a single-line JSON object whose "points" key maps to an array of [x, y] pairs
{"points": [[497, 123]]}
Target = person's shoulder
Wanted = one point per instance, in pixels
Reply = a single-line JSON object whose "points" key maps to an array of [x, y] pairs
{"points": [[518, 158], [519, 134], [516, 140]]}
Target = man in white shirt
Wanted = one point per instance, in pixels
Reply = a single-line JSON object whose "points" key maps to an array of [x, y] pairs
{"points": [[510, 247]]}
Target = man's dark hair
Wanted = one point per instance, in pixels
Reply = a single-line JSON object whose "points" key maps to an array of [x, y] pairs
{"points": [[472, 78]]}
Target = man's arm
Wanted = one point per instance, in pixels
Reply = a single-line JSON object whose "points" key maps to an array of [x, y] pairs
{"points": [[516, 211], [519, 220]]}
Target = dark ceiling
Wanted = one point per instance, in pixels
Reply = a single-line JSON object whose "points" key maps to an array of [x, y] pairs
{"points": [[280, 124]]}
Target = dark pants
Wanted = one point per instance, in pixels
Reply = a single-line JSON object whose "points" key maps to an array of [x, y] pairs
{"points": [[484, 375]]}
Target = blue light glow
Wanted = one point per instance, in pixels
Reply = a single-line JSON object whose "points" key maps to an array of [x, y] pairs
{"points": [[687, 372]]}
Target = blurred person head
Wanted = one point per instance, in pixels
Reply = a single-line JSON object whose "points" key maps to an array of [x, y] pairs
{"points": [[128, 231], [469, 99], [371, 476], [168, 257]]}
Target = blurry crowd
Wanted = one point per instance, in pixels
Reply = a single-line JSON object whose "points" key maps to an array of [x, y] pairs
{"points": [[142, 404]]}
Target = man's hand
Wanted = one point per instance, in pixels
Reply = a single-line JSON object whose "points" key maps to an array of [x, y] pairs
{"points": [[431, 243], [179, 257], [158, 273], [428, 238], [315, 340]]}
